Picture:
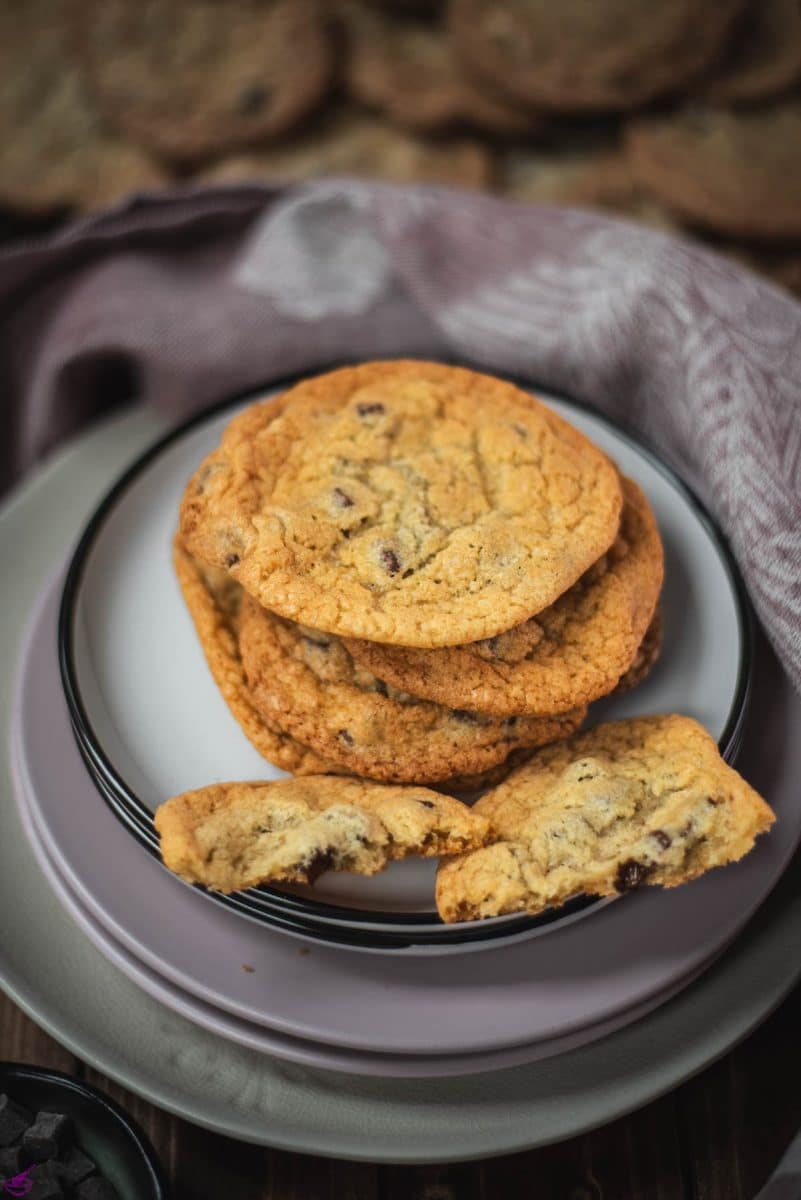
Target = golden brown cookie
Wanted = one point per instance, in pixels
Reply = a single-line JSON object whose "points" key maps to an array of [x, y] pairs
{"points": [[571, 653], [630, 802], [307, 683], [582, 55], [646, 657], [405, 68], [213, 600], [349, 142], [765, 59], [580, 176], [737, 173], [404, 502], [54, 151], [231, 836], [191, 79]]}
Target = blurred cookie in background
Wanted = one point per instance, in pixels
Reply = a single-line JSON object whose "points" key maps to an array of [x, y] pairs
{"points": [[55, 152], [349, 142], [580, 55], [192, 79], [735, 173], [765, 59], [584, 175], [405, 68]]}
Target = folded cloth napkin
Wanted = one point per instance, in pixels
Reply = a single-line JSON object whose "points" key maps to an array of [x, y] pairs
{"points": [[182, 298]]}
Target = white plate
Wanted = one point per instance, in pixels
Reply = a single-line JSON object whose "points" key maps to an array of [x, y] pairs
{"points": [[157, 716], [49, 967]]}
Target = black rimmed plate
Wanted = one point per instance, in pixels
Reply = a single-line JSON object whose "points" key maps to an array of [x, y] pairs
{"points": [[150, 722]]}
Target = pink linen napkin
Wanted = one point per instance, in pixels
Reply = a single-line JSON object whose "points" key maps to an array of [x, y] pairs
{"points": [[181, 298]]}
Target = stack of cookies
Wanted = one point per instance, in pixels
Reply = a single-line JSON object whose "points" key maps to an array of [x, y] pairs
{"points": [[405, 573], [416, 574]]}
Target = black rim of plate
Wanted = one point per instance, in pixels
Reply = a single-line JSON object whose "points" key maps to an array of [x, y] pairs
{"points": [[298, 914]]}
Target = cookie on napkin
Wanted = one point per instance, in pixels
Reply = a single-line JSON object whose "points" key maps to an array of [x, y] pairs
{"points": [[230, 836], [648, 800]]}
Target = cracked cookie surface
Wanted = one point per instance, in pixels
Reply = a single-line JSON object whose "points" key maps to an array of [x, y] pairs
{"points": [[214, 600], [641, 801], [307, 682], [230, 836], [405, 502], [571, 653]]}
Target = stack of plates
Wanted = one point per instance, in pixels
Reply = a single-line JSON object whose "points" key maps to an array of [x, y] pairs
{"points": [[117, 711]]}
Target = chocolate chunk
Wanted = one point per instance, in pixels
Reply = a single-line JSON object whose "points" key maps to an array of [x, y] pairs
{"points": [[73, 1166], [461, 714], [321, 863], [252, 100], [381, 688], [9, 1161], [345, 737], [321, 645], [14, 1120], [427, 804], [631, 874], [663, 838], [342, 498], [47, 1137], [390, 561], [46, 1183], [510, 721], [232, 560], [368, 410], [96, 1188]]}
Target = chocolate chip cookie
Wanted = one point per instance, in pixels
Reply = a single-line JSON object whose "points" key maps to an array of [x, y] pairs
{"points": [[214, 601], [231, 836], [350, 142], [580, 55], [404, 502], [630, 802], [406, 69], [306, 682], [736, 173], [569, 654], [54, 150], [190, 79]]}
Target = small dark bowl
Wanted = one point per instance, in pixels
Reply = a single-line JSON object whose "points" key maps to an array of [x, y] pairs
{"points": [[107, 1134]]}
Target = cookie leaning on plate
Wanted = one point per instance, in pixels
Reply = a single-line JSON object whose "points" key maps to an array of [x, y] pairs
{"points": [[641, 801], [404, 502], [237, 835], [307, 683], [571, 653]]}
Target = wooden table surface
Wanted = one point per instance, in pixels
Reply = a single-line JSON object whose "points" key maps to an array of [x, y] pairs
{"points": [[718, 1137]]}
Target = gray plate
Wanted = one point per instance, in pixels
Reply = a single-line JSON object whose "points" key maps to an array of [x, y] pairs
{"points": [[51, 969]]}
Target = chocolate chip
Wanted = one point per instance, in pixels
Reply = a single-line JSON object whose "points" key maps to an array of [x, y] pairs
{"points": [[662, 838], [47, 1137], [318, 865], [342, 498], [427, 804], [321, 645], [232, 560], [252, 99], [380, 687], [390, 561], [510, 721], [346, 737], [631, 874], [368, 410], [460, 714]]}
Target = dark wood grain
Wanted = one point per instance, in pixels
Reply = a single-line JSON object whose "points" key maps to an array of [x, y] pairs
{"points": [[717, 1137]]}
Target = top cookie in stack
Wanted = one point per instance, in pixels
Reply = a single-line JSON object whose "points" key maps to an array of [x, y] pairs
{"points": [[438, 571]]}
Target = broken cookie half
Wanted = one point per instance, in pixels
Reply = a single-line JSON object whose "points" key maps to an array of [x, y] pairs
{"points": [[230, 836], [648, 800]]}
